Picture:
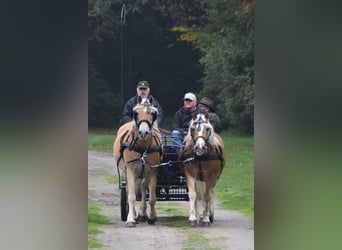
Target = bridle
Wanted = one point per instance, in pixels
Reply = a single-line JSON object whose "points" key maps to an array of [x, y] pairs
{"points": [[199, 124], [147, 105]]}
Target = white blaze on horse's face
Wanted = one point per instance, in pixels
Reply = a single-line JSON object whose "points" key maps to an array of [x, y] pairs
{"points": [[144, 131], [145, 115], [200, 132], [200, 147]]}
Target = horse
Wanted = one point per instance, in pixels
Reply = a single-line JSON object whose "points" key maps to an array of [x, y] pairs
{"points": [[203, 158], [136, 148]]}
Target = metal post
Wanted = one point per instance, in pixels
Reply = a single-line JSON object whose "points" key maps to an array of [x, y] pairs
{"points": [[123, 21]]}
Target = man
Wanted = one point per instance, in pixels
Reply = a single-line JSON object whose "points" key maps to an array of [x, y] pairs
{"points": [[207, 105], [182, 119], [143, 90]]}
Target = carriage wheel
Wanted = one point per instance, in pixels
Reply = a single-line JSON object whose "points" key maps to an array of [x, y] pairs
{"points": [[124, 204]]}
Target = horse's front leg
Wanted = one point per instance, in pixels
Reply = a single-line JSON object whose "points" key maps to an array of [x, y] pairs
{"points": [[212, 207], [190, 180], [142, 212], [207, 205], [152, 188], [131, 197]]}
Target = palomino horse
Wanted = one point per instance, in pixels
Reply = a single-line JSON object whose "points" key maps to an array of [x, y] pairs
{"points": [[203, 158], [138, 146]]}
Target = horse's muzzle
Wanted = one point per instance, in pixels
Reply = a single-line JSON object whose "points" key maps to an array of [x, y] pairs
{"points": [[143, 134], [200, 150]]}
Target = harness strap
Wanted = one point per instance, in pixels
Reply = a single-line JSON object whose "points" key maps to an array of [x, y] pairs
{"points": [[195, 158], [122, 148], [143, 151], [200, 171]]}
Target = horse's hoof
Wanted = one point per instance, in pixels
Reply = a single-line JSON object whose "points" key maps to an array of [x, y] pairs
{"points": [[193, 223], [205, 224], [150, 221], [142, 218], [130, 224], [211, 218]]}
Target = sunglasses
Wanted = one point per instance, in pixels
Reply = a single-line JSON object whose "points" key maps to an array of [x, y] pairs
{"points": [[142, 88], [187, 100]]}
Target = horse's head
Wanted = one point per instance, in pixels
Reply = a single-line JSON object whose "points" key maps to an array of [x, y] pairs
{"points": [[201, 133], [145, 115]]}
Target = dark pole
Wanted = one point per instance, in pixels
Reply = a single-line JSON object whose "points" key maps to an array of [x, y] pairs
{"points": [[123, 21]]}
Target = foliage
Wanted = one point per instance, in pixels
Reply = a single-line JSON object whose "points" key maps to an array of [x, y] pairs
{"points": [[205, 47], [102, 102], [101, 19], [226, 43]]}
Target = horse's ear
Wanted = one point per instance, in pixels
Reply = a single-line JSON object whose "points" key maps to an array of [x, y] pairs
{"points": [[139, 99], [150, 99], [194, 116], [207, 116]]}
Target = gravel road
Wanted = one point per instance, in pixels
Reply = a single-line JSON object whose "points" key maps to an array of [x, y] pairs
{"points": [[230, 229]]}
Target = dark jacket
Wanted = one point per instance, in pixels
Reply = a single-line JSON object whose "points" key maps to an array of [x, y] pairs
{"points": [[215, 121], [182, 119], [127, 113]]}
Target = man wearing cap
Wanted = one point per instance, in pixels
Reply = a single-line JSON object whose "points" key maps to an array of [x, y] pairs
{"points": [[182, 119], [143, 90], [207, 105]]}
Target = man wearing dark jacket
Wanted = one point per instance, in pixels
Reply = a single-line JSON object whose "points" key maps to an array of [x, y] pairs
{"points": [[182, 119], [143, 90]]}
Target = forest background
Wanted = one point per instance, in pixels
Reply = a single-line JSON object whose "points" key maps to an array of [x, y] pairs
{"points": [[201, 46]]}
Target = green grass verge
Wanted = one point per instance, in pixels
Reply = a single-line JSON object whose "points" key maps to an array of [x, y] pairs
{"points": [[95, 220], [235, 188], [101, 142]]}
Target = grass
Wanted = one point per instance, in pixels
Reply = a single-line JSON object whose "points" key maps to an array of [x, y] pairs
{"points": [[95, 220], [113, 179], [235, 188], [101, 142], [179, 218]]}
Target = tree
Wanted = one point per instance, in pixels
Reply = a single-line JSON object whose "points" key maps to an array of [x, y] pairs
{"points": [[226, 42]]}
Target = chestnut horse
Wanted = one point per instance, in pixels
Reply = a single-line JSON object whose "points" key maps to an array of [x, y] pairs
{"points": [[136, 148], [203, 159]]}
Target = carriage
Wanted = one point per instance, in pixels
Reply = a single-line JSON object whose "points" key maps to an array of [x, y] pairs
{"points": [[171, 182], [150, 169]]}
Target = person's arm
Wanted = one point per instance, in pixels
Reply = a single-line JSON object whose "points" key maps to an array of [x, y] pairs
{"points": [[160, 116], [127, 113], [176, 122], [216, 122]]}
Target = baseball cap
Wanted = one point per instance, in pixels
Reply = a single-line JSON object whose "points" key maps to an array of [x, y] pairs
{"points": [[190, 96], [143, 84]]}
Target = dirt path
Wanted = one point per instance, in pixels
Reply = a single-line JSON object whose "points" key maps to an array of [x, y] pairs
{"points": [[230, 230]]}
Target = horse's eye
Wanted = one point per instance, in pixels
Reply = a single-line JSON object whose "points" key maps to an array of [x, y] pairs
{"points": [[208, 130], [135, 116], [192, 130], [154, 116]]}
